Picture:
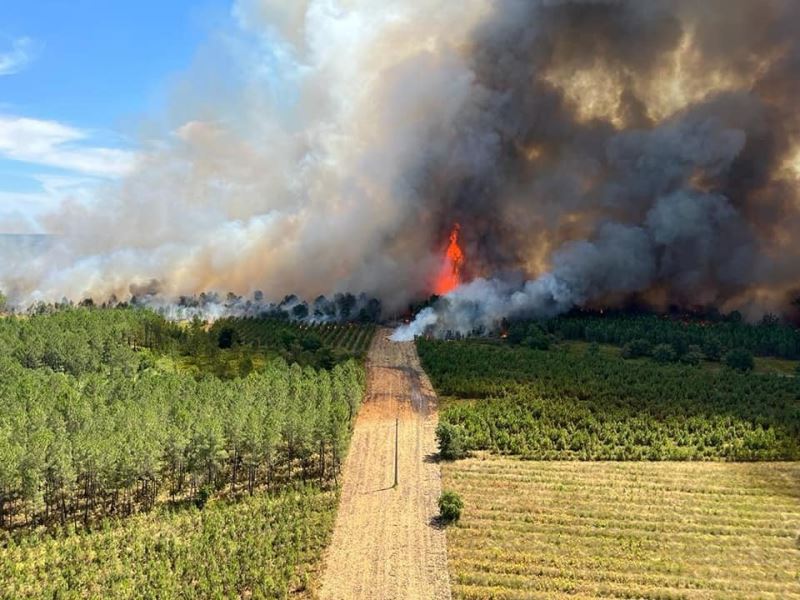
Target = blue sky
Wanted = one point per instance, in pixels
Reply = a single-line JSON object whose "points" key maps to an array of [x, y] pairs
{"points": [[76, 77]]}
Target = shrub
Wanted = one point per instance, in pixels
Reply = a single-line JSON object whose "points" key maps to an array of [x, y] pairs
{"points": [[451, 441], [636, 349], [528, 334], [517, 332], [450, 506], [664, 353], [246, 366], [539, 342], [226, 338], [536, 338], [695, 349], [692, 357], [311, 342], [203, 496], [740, 360]]}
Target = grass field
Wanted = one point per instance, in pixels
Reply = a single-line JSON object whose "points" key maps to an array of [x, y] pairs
{"points": [[624, 530]]}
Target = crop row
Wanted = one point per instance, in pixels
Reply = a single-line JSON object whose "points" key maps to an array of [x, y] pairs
{"points": [[261, 547], [267, 333], [350, 337], [585, 530]]}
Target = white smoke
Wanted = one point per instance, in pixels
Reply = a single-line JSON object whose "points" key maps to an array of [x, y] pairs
{"points": [[285, 164]]}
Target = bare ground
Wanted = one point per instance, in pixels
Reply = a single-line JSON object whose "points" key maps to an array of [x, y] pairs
{"points": [[386, 544]]}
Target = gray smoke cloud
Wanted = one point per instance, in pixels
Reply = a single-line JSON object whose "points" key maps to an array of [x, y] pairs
{"points": [[644, 151], [593, 152]]}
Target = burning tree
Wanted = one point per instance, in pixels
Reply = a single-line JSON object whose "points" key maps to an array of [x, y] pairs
{"points": [[449, 276]]}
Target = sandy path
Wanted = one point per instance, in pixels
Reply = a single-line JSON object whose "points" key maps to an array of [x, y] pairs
{"points": [[384, 545]]}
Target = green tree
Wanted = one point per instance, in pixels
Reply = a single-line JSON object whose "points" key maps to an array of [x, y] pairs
{"points": [[96, 435], [450, 506], [451, 441]]}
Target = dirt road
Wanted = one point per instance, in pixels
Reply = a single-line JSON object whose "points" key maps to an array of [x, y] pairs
{"points": [[385, 545]]}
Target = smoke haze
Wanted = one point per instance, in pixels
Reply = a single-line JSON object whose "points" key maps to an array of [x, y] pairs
{"points": [[593, 152]]}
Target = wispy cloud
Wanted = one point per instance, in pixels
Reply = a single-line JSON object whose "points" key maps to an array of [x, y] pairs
{"points": [[55, 144], [23, 51]]}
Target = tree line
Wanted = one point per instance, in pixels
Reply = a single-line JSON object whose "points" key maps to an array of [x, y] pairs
{"points": [[341, 308], [712, 338]]}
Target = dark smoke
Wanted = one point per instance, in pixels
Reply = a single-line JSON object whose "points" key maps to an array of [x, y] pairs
{"points": [[686, 205]]}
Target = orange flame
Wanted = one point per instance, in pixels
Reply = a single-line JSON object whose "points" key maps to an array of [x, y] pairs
{"points": [[449, 276]]}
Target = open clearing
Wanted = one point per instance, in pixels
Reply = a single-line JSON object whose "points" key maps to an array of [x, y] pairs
{"points": [[625, 530], [384, 543]]}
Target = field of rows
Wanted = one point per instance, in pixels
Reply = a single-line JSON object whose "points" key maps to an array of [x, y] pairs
{"points": [[624, 530], [349, 337], [261, 547]]}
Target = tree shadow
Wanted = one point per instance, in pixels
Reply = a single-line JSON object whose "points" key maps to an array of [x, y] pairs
{"points": [[439, 523], [383, 489], [432, 458]]}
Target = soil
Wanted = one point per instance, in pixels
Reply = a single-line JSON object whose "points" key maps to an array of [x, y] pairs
{"points": [[386, 543]]}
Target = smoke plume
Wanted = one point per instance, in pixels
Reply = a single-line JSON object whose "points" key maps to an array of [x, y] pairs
{"points": [[593, 152]]}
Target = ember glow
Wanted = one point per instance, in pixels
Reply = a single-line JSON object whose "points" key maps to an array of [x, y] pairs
{"points": [[449, 277]]}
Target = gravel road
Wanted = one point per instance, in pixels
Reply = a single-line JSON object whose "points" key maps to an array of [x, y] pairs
{"points": [[386, 544]]}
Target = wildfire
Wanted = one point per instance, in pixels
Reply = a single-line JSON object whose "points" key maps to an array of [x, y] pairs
{"points": [[449, 276]]}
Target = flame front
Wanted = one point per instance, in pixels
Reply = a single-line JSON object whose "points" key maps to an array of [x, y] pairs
{"points": [[449, 276]]}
